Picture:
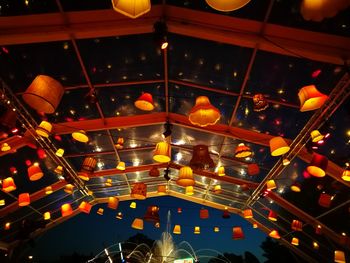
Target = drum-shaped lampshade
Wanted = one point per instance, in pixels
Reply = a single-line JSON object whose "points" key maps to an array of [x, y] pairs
{"points": [[66, 210], [203, 213], [217, 189], [145, 102], [8, 185], [139, 191], [85, 207], [24, 199], [295, 241], [318, 165], [162, 152], [325, 200], [237, 233], [203, 113], [310, 98], [248, 213], [113, 202], [44, 129], [227, 5], [297, 225], [185, 177], [80, 136], [339, 256], [278, 146], [69, 188], [132, 8], [137, 224], [35, 172], [271, 184], [89, 164]]}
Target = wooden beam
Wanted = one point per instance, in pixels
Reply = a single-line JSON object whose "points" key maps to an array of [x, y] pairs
{"points": [[16, 142]]}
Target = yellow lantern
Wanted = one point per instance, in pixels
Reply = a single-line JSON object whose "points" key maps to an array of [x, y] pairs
{"points": [[221, 171], [113, 202], [162, 152], [109, 182], [217, 189], [85, 207], [242, 151], [295, 187], [139, 191], [315, 245], [255, 225], [316, 136], [47, 216], [227, 5], [203, 113], [137, 224], [69, 188], [145, 102], [285, 161], [339, 256], [346, 175], [197, 230], [48, 190], [60, 152], [44, 129], [274, 234], [161, 189], [310, 98], [132, 8], [177, 229], [5, 147], [59, 170], [189, 190], [100, 211], [216, 229], [2, 202], [270, 184], [80, 136], [133, 205], [248, 213], [121, 166], [8, 185], [295, 241], [318, 165], [185, 177], [66, 210], [278, 146]]}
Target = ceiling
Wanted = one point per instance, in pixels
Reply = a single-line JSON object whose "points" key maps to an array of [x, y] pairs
{"points": [[265, 47]]}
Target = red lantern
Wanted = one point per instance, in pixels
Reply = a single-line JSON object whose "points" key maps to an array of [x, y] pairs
{"points": [[35, 172], [253, 169], [113, 202], [179, 210], [325, 200], [237, 233], [203, 213], [8, 185], [272, 216], [145, 102], [24, 199], [85, 207], [248, 213], [297, 225]]}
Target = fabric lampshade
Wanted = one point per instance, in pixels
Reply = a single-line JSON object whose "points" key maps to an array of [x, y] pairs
{"points": [[278, 146], [162, 152], [113, 202], [8, 185], [161, 190], [60, 152], [325, 200], [197, 230], [189, 190], [217, 189], [44, 129], [260, 103], [24, 199], [253, 169], [201, 158], [318, 165], [339, 256], [221, 171], [185, 177], [152, 214], [154, 172], [177, 230], [139, 191], [271, 184], [48, 190], [69, 188], [132, 8], [248, 213], [272, 216], [295, 187], [121, 166], [316, 136], [80, 136], [85, 207], [274, 234], [66, 210], [47, 216], [346, 175], [137, 224], [227, 5], [145, 102], [295, 241], [203, 213], [203, 113], [133, 205], [242, 151], [35, 172], [310, 98], [297, 225], [237, 233], [100, 211], [5, 147]]}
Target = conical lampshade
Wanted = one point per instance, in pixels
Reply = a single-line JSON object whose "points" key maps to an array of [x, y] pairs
{"points": [[271, 184], [295, 241], [145, 102], [310, 98], [248, 213], [242, 151], [201, 158], [47, 216], [139, 191], [318, 165], [85, 207], [44, 129], [133, 205], [137, 224], [185, 177], [8, 185], [346, 175], [66, 210], [272, 216], [216, 229], [278, 146], [227, 5], [162, 152], [35, 172], [203, 113], [221, 171], [100, 211], [132, 8], [80, 136], [274, 234], [121, 166], [177, 230]]}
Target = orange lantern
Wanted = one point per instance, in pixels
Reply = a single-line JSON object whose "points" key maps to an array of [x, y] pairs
{"points": [[260, 103], [318, 165], [35, 172], [253, 169], [59, 170], [121, 166], [237, 233], [316, 136], [272, 216], [217, 189], [310, 98], [137, 224], [119, 216], [7, 226], [44, 129], [145, 102], [69, 188], [197, 230], [221, 171], [274, 234], [225, 5], [297, 225], [89, 164], [216, 229], [132, 8], [325, 200], [295, 241], [80, 136], [248, 213], [242, 151], [317, 10], [24, 199], [100, 211], [109, 182], [154, 172], [278, 146], [162, 152], [161, 189], [203, 113], [113, 202], [295, 187], [185, 177], [189, 190], [120, 143], [133, 205], [152, 214], [255, 225], [339, 256], [139, 191], [66, 210], [177, 229], [8, 185], [47, 216], [85, 207], [271, 184], [346, 175], [48, 190], [203, 213]]}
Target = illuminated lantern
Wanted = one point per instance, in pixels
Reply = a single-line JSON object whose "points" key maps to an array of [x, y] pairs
{"points": [[139, 191], [310, 98], [295, 187], [297, 225], [66, 210], [315, 245], [100, 211], [237, 233], [325, 200], [317, 10], [255, 225], [221, 171], [316, 136], [13, 170], [177, 230], [295, 241], [80, 136], [346, 175], [89, 164], [270, 184], [285, 161], [109, 182], [85, 207], [217, 189], [260, 103], [60, 152], [201, 158], [272, 216], [203, 213], [145, 102], [35, 172], [8, 185], [242, 151], [161, 189], [318, 165], [7, 226], [47, 216], [44, 129], [137, 224], [339, 256], [152, 214], [133, 205], [120, 143], [121, 166], [24, 199], [119, 216], [227, 5], [226, 214], [179, 210], [318, 230], [2, 202], [216, 229], [113, 202], [248, 213], [43, 94], [189, 190], [48, 190], [5, 147], [132, 8], [59, 170], [154, 172], [203, 113], [278, 146], [162, 152], [185, 177], [197, 230], [253, 169], [274, 234], [69, 188]]}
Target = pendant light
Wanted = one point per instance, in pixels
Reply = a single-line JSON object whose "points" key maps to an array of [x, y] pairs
{"points": [[237, 233], [113, 202], [221, 171], [197, 230], [203, 113], [132, 8], [80, 136], [248, 213], [201, 158], [8, 185], [177, 230], [66, 210], [318, 165], [310, 98], [243, 151], [260, 103], [24, 199], [278, 146], [137, 224], [34, 172], [139, 191], [44, 129], [85, 207], [185, 177], [162, 152], [189, 190], [145, 102], [227, 5], [297, 225], [274, 234], [152, 214], [295, 241], [316, 136]]}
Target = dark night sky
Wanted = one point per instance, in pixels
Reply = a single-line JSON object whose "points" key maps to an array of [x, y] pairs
{"points": [[89, 233]]}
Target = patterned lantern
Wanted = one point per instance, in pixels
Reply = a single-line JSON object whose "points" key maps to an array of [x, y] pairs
{"points": [[48, 190], [346, 175], [248, 213], [100, 211], [242, 151], [295, 187], [5, 147], [133, 205], [119, 216], [152, 214], [24, 199], [217, 189], [121, 166], [154, 172], [137, 224], [47, 216], [253, 169], [310, 98], [161, 189], [272, 216], [132, 8], [145, 102], [89, 164], [271, 184], [139, 191], [260, 103], [227, 5], [339, 256], [35, 172], [185, 177], [162, 152], [237, 233], [316, 136], [197, 230], [8, 185], [318, 165], [278, 146], [297, 225], [113, 202], [203, 213], [80, 136], [60, 152], [177, 230], [203, 113], [274, 234], [85, 207], [325, 200], [221, 171], [189, 190], [295, 241], [44, 129], [66, 210], [201, 158], [43, 94]]}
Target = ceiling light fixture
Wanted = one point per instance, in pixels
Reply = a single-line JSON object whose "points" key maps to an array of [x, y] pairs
{"points": [[203, 113], [227, 5]]}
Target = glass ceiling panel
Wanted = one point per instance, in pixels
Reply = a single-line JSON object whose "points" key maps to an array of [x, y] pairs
{"points": [[18, 7]]}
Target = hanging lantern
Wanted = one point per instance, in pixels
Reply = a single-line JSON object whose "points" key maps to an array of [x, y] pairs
{"points": [[177, 230], [145, 102], [179, 210], [217, 189], [7, 226], [295, 241], [271, 184], [100, 211], [203, 213], [253, 169], [121, 166], [66, 210], [132, 8], [43, 94], [24, 199], [316, 136], [242, 151], [237, 233], [5, 147], [139, 191], [295, 187], [339, 256], [162, 152], [85, 207], [201, 158], [274, 234], [59, 170], [226, 214], [189, 190], [80, 136], [310, 98], [315, 245], [154, 172], [109, 182], [185, 177], [221, 171], [318, 230], [113, 202], [278, 146], [203, 113], [161, 189], [248, 213], [297, 225], [48, 190], [318, 165], [152, 214], [319, 10], [272, 216], [346, 175], [35, 172], [89, 164], [44, 129], [227, 5], [60, 152], [8, 185], [260, 103], [137, 224], [2, 202], [119, 216], [197, 230], [285, 161], [255, 225], [120, 143], [325, 200], [216, 229], [69, 188], [47, 216], [133, 205]]}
